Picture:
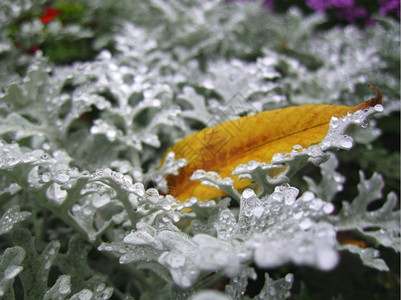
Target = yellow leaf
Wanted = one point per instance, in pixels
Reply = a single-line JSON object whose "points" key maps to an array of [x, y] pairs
{"points": [[221, 148]]}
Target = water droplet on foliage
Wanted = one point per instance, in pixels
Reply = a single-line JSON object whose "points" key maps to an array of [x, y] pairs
{"points": [[327, 258], [346, 142], [298, 215], [289, 278], [100, 200], [290, 195], [297, 148], [61, 177], [45, 156], [379, 108], [334, 122], [248, 193], [46, 177], [307, 196], [258, 211], [277, 197], [277, 158], [316, 205], [47, 265], [55, 193], [328, 208], [87, 211], [305, 224], [11, 272]]}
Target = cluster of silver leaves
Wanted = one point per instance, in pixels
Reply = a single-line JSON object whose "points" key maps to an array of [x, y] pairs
{"points": [[159, 85]]}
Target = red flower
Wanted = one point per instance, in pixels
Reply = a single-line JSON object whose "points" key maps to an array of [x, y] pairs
{"points": [[49, 15], [33, 49]]}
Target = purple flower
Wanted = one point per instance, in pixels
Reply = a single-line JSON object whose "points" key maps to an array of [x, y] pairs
{"points": [[352, 13], [341, 3], [268, 4], [321, 5], [318, 5], [387, 6]]}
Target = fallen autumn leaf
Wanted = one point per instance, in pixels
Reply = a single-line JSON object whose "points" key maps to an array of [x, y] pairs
{"points": [[258, 137]]}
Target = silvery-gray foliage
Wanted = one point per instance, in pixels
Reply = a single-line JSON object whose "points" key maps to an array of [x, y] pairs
{"points": [[82, 144]]}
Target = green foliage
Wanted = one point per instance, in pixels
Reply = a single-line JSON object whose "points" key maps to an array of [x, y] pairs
{"points": [[86, 117]]}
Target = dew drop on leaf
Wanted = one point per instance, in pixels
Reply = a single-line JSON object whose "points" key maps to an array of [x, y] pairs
{"points": [[307, 196], [328, 208], [316, 204], [346, 142], [61, 177], [46, 177], [248, 193], [379, 108], [100, 200], [277, 197], [258, 211], [289, 278], [305, 224], [11, 272], [334, 122]]}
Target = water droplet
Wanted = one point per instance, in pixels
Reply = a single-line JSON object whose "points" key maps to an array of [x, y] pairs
{"points": [[107, 172], [258, 211], [61, 177], [328, 208], [298, 215], [364, 123], [338, 178], [327, 258], [347, 142], [305, 224], [277, 197], [46, 146], [307, 196], [379, 108], [334, 122], [248, 193], [289, 278], [27, 157], [272, 291], [64, 289], [11, 161], [176, 261], [166, 206], [316, 204], [55, 193], [46, 177], [45, 156], [111, 135], [100, 200], [87, 211], [11, 272], [277, 158], [290, 195], [297, 148], [75, 208], [100, 287], [52, 251], [47, 265]]}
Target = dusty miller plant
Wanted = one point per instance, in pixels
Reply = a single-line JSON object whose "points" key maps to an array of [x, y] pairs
{"points": [[86, 212]]}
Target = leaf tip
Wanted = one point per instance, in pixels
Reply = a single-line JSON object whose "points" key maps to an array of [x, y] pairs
{"points": [[376, 100]]}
